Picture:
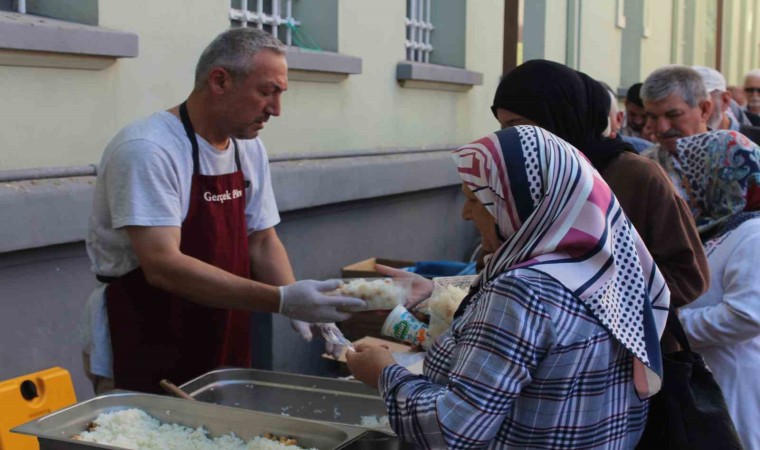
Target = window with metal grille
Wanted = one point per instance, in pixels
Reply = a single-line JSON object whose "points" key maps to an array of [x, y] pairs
{"points": [[418, 30], [273, 16], [76, 11]]}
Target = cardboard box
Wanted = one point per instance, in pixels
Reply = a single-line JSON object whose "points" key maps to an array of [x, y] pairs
{"points": [[366, 268], [362, 325]]}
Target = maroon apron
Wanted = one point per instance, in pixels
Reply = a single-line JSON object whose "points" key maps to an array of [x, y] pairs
{"points": [[157, 335]]}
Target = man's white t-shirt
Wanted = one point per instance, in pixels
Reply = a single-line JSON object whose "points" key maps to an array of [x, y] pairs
{"points": [[144, 179]]}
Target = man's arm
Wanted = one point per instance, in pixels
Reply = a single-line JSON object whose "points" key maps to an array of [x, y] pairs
{"points": [[167, 268], [269, 260]]}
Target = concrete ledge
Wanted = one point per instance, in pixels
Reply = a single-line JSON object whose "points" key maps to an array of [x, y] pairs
{"points": [[27, 33], [308, 65], [413, 74], [310, 183], [39, 213]]}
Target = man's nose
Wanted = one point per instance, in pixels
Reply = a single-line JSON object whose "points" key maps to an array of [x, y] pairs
{"points": [[662, 125], [466, 211], [274, 106]]}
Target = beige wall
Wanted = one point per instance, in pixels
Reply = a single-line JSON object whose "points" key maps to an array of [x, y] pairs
{"points": [[600, 41], [656, 48], [56, 117], [556, 31], [740, 55]]}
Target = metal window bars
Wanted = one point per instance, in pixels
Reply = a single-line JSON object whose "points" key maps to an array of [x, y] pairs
{"points": [[418, 30], [266, 15]]}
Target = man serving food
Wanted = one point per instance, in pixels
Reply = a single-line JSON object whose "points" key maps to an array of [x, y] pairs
{"points": [[182, 234]]}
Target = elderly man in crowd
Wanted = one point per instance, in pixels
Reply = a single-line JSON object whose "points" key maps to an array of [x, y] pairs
{"points": [[726, 114], [677, 105], [752, 90]]}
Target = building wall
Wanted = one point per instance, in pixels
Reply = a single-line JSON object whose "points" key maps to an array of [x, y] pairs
{"points": [[657, 47], [66, 117], [44, 290], [657, 33], [600, 41], [390, 196]]}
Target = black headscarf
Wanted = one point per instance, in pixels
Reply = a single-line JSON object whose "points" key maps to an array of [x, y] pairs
{"points": [[568, 103]]}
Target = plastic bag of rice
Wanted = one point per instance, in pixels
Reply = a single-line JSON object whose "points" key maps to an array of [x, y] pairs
{"points": [[442, 305], [136, 430], [379, 293]]}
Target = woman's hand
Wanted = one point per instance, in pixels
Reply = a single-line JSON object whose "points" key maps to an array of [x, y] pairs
{"points": [[368, 361], [421, 286]]}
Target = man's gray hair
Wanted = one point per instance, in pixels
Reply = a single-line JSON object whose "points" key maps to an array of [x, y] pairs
{"points": [[233, 50], [680, 80]]}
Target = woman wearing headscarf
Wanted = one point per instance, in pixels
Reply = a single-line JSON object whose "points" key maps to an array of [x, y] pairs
{"points": [[557, 343], [722, 171], [575, 107]]}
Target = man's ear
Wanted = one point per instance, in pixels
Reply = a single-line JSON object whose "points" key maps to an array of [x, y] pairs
{"points": [[726, 97], [619, 118], [219, 80], [705, 108]]}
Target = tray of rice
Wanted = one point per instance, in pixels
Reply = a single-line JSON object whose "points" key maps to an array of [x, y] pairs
{"points": [[131, 420], [379, 293], [303, 396]]}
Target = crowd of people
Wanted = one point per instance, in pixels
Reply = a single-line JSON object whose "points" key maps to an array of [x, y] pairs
{"points": [[598, 224], [594, 238]]}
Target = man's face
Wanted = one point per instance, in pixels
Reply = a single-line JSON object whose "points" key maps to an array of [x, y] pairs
{"points": [[635, 116], [254, 98], [752, 91], [672, 118]]}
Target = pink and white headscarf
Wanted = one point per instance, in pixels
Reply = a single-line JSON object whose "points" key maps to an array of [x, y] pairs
{"points": [[560, 218]]}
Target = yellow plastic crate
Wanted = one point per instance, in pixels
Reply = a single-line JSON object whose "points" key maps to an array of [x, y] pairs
{"points": [[28, 397]]}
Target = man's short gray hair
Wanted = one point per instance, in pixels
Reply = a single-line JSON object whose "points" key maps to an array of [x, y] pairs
{"points": [[233, 50], [680, 80]]}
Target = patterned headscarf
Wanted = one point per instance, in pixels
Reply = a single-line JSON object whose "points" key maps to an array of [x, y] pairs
{"points": [[560, 218], [721, 173]]}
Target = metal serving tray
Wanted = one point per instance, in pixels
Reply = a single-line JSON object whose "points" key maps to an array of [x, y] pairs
{"points": [[54, 431], [307, 397]]}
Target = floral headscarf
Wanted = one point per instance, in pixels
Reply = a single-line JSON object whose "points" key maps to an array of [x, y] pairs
{"points": [[560, 218], [721, 173]]}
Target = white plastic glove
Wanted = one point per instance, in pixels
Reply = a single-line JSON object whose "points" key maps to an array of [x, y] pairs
{"points": [[307, 330], [422, 288], [306, 300]]}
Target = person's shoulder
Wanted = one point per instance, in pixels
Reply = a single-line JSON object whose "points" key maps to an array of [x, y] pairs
{"points": [[639, 166], [254, 150], [637, 143], [651, 152], [527, 283], [156, 128]]}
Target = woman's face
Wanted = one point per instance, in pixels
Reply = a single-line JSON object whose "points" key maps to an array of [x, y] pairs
{"points": [[474, 210], [508, 119]]}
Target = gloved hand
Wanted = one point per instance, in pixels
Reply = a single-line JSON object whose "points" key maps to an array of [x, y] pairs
{"points": [[305, 300], [422, 288], [307, 330]]}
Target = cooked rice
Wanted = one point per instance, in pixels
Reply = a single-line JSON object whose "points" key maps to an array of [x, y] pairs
{"points": [[443, 304], [375, 421], [134, 429], [381, 294]]}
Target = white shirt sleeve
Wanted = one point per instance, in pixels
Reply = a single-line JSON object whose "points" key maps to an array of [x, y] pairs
{"points": [[142, 186], [736, 317], [261, 209]]}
